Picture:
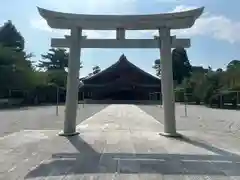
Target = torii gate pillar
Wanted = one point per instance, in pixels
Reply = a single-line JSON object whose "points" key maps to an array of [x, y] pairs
{"points": [[167, 83], [72, 83]]}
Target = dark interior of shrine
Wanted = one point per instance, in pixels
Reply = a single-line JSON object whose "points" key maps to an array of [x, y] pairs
{"points": [[125, 94]]}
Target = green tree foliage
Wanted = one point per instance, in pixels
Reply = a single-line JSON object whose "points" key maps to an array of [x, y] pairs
{"points": [[55, 59], [55, 63], [232, 79], [180, 63], [57, 77], [208, 85], [96, 69], [219, 70], [10, 37], [157, 67], [233, 65], [15, 70]]}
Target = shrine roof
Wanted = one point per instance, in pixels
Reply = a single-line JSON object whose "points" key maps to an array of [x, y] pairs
{"points": [[117, 66]]}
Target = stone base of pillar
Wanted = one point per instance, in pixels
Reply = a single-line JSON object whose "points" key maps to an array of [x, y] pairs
{"points": [[171, 135], [68, 134]]}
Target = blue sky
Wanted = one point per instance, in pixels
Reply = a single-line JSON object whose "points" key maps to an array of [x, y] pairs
{"points": [[215, 37]]}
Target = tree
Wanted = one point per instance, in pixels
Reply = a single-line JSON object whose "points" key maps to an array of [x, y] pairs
{"points": [[55, 59], [58, 77], [233, 74], [199, 69], [96, 69], [180, 63], [233, 65], [55, 62], [157, 67], [15, 71], [219, 70], [204, 85], [10, 37]]}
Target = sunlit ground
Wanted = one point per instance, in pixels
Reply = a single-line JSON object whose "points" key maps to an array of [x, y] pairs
{"points": [[120, 142]]}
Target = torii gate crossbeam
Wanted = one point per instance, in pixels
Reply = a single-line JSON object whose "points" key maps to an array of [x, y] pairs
{"points": [[122, 43]]}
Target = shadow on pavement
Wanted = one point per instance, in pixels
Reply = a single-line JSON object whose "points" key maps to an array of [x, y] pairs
{"points": [[87, 160]]}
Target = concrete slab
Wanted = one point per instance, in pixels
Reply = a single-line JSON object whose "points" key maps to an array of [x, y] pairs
{"points": [[120, 142]]}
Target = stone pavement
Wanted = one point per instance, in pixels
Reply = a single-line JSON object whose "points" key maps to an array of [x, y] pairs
{"points": [[119, 142], [200, 118], [39, 118]]}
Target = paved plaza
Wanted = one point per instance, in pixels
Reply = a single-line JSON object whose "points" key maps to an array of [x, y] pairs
{"points": [[40, 118], [120, 142]]}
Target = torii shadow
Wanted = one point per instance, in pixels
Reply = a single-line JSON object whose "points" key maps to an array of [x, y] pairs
{"points": [[88, 161]]}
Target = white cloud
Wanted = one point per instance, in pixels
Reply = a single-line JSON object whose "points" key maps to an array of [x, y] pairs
{"points": [[183, 8], [92, 6], [42, 25], [169, 1], [2, 22], [216, 26], [100, 34], [88, 7], [211, 25]]}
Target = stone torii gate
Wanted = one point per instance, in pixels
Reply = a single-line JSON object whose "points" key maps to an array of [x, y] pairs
{"points": [[161, 22]]}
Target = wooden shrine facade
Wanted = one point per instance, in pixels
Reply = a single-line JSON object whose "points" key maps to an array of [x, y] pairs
{"points": [[121, 81]]}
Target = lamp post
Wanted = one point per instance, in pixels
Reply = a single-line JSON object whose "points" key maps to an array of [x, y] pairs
{"points": [[57, 95], [57, 99], [237, 99], [185, 104], [81, 84]]}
